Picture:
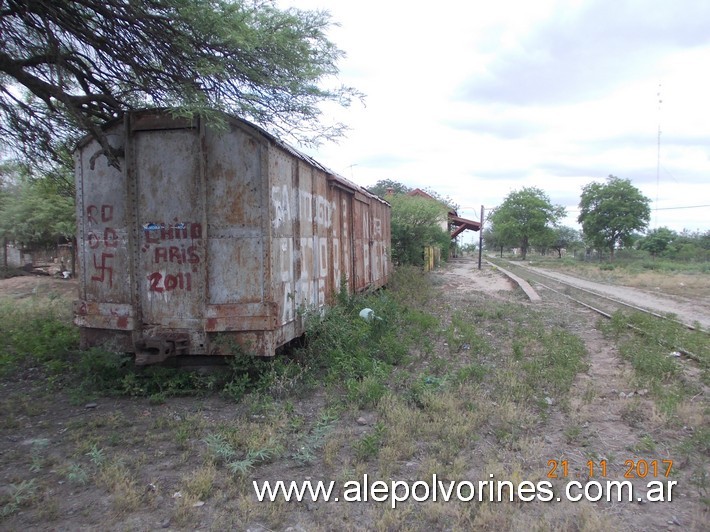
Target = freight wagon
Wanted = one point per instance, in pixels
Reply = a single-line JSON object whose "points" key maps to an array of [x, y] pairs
{"points": [[208, 232]]}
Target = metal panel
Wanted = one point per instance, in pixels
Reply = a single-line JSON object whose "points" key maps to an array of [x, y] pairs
{"points": [[234, 211], [102, 236], [361, 244], [171, 263]]}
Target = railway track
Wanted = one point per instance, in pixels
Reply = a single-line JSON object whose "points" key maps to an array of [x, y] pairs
{"points": [[601, 304]]}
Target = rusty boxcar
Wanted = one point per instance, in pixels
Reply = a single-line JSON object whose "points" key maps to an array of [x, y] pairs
{"points": [[209, 231]]}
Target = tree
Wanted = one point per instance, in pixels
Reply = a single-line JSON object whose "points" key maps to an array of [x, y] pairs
{"points": [[658, 241], [383, 186], [416, 222], [565, 237], [34, 213], [523, 216], [610, 212], [68, 66]]}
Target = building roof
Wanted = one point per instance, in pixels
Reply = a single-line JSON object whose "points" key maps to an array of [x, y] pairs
{"points": [[461, 224]]}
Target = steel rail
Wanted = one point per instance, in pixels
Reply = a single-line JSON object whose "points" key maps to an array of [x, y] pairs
{"points": [[680, 350], [609, 298]]}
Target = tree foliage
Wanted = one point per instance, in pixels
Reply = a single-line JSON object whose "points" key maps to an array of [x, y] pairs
{"points": [[493, 240], [658, 241], [417, 222], [384, 186], [611, 212], [525, 216], [565, 237], [35, 213], [68, 66]]}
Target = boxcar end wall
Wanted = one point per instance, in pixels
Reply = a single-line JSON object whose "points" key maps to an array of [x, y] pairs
{"points": [[205, 233]]}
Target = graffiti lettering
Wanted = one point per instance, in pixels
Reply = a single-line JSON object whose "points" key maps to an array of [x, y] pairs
{"points": [[95, 239], [179, 255], [158, 283], [106, 213], [160, 232]]}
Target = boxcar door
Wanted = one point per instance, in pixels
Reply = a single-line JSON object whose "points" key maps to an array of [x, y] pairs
{"points": [[170, 263], [361, 236]]}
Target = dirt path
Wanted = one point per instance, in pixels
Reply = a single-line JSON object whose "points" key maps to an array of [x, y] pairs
{"points": [[608, 417]]}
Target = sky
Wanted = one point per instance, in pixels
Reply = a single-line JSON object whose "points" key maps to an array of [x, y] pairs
{"points": [[476, 99]]}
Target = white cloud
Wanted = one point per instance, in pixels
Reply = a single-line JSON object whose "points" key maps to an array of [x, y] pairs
{"points": [[476, 99]]}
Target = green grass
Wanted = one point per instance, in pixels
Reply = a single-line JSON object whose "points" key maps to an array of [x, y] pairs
{"points": [[36, 332], [448, 382], [650, 348]]}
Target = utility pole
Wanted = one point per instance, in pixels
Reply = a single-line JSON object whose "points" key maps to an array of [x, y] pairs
{"points": [[480, 240]]}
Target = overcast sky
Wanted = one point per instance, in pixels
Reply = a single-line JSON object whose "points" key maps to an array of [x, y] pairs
{"points": [[477, 98]]}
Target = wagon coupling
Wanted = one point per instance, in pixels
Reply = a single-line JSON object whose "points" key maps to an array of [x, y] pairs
{"points": [[159, 349]]}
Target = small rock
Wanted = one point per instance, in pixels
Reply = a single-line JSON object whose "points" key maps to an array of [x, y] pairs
{"points": [[177, 495], [198, 504], [91, 405], [642, 392], [675, 354], [361, 421], [622, 395], [550, 401], [165, 524]]}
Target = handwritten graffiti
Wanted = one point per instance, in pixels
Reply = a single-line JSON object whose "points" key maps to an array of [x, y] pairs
{"points": [[109, 240], [310, 206], [180, 254], [106, 271], [158, 283], [92, 211], [161, 232], [99, 240]]}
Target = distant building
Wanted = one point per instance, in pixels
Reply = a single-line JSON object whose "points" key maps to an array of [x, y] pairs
{"points": [[454, 222]]}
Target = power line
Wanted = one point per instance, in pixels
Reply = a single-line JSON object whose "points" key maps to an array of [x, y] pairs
{"points": [[663, 208], [674, 208]]}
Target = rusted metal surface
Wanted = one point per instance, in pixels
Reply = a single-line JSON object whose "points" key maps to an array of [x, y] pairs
{"points": [[205, 232]]}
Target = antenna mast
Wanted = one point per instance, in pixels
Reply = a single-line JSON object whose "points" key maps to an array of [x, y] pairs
{"points": [[658, 157]]}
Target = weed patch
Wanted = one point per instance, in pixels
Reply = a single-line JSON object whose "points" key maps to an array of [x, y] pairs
{"points": [[35, 332]]}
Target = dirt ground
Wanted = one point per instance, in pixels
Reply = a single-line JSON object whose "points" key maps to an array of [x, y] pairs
{"points": [[28, 285], [606, 412], [59, 437]]}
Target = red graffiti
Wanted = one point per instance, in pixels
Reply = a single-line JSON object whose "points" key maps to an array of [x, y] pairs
{"points": [[160, 232], [179, 255], [106, 213], [105, 268], [110, 239], [95, 239], [158, 283]]}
